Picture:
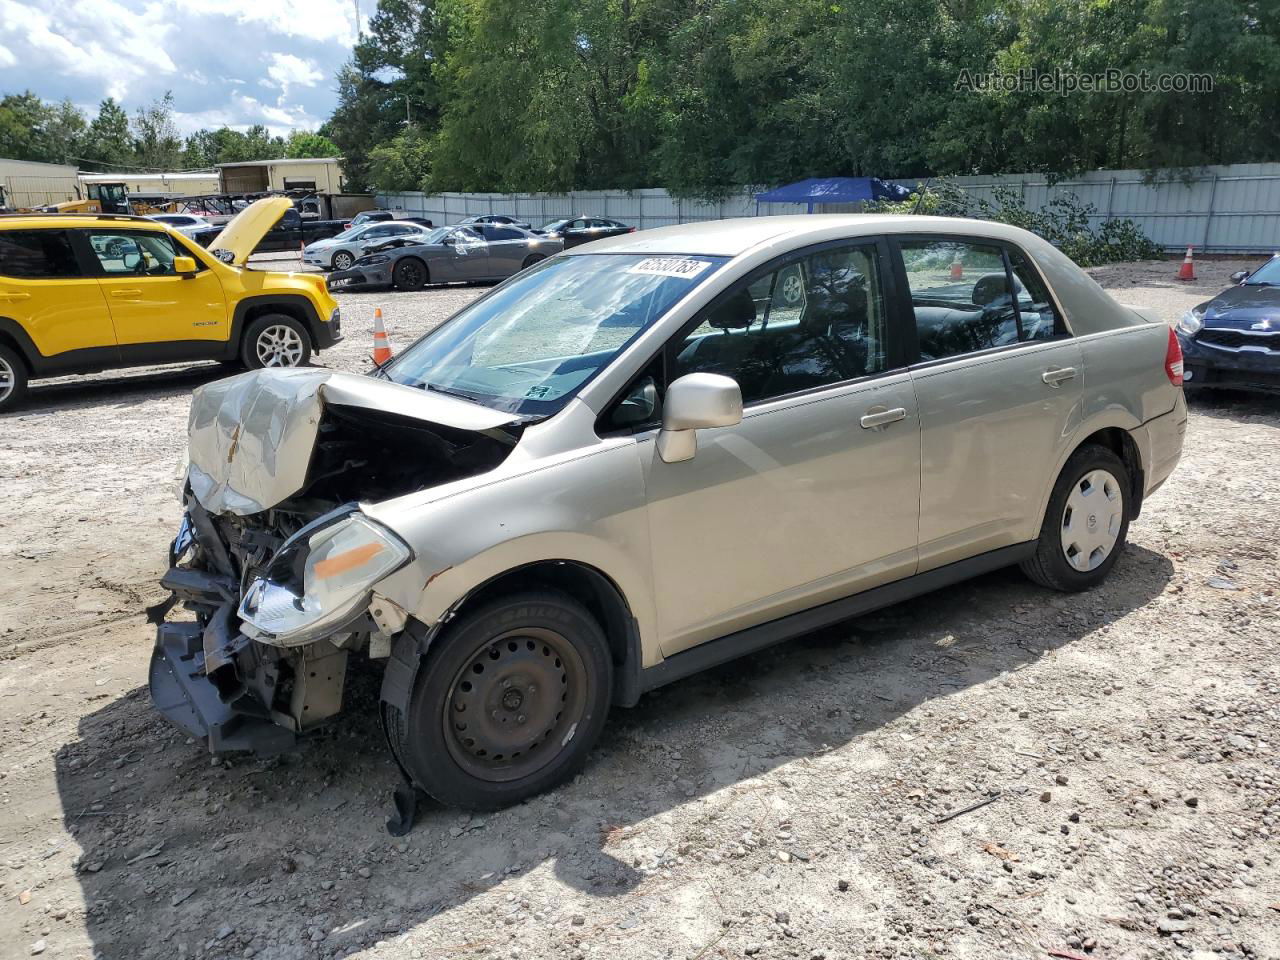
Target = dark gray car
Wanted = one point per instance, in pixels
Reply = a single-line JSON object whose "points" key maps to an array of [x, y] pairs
{"points": [[459, 254]]}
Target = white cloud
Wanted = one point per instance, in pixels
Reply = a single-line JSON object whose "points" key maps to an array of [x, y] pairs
{"points": [[322, 20], [287, 71], [210, 56]]}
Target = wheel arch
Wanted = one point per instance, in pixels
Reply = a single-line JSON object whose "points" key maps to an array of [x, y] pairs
{"points": [[1117, 437], [586, 584], [295, 306], [426, 268], [19, 343]]}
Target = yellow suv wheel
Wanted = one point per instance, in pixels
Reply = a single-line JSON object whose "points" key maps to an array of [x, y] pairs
{"points": [[275, 340], [13, 379]]}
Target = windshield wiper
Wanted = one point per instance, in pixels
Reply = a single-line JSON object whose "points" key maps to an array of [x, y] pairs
{"points": [[436, 388]]}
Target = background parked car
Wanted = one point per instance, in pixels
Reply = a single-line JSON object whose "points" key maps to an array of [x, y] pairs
{"points": [[289, 234], [584, 229], [1233, 340], [185, 223], [341, 251], [501, 218], [464, 253]]}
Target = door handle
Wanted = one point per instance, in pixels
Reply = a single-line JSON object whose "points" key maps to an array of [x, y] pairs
{"points": [[880, 417], [126, 293], [1059, 375], [15, 296]]}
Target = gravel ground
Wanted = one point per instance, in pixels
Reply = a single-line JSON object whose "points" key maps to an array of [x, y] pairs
{"points": [[817, 800]]}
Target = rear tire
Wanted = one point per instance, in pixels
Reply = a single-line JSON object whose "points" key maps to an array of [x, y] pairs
{"points": [[1085, 524], [530, 260], [275, 340], [410, 273], [13, 379], [507, 703]]}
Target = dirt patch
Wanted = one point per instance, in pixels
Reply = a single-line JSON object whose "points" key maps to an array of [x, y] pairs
{"points": [[832, 797]]}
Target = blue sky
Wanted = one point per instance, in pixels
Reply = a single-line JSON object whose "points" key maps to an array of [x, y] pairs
{"points": [[234, 62]]}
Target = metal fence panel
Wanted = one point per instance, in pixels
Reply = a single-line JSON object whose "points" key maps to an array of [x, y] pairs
{"points": [[1221, 209]]}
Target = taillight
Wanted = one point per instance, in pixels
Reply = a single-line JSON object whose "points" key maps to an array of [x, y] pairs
{"points": [[632, 230], [1173, 360]]}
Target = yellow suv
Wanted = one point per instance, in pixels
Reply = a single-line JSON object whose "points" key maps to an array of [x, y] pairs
{"points": [[81, 293]]}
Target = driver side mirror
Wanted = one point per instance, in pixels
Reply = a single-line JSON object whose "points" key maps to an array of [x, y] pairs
{"points": [[697, 401], [1239, 275], [184, 266]]}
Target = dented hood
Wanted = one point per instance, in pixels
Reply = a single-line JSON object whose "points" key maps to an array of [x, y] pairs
{"points": [[246, 229], [251, 435]]}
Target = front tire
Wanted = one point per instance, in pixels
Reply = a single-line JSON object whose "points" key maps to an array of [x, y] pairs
{"points": [[1086, 522], [530, 260], [13, 380], [342, 260], [507, 703], [275, 340], [409, 274]]}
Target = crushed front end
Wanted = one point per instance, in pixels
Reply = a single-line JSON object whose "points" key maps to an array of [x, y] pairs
{"points": [[274, 561]]}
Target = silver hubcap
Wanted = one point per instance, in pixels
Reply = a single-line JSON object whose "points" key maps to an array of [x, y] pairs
{"points": [[342, 261], [279, 346], [791, 289], [1092, 519], [7, 380]]}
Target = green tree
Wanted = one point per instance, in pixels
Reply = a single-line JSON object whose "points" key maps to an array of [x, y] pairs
{"points": [[156, 136], [109, 141], [302, 144], [23, 117]]}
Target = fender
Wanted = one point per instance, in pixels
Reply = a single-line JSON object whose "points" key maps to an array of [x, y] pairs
{"points": [[296, 302]]}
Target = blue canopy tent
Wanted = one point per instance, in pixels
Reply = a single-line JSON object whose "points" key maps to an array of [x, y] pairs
{"points": [[834, 190]]}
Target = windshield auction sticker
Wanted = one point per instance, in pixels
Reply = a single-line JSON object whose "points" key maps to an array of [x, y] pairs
{"points": [[670, 267]]}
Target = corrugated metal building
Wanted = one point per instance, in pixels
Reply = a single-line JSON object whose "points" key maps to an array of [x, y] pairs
{"points": [[321, 175], [159, 184], [27, 183]]}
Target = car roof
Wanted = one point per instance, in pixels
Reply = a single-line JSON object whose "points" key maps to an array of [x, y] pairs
{"points": [[42, 221], [730, 238]]}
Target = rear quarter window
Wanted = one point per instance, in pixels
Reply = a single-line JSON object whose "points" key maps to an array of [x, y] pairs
{"points": [[37, 254]]}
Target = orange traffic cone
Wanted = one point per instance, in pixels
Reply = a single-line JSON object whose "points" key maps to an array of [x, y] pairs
{"points": [[957, 269], [1188, 269], [381, 346]]}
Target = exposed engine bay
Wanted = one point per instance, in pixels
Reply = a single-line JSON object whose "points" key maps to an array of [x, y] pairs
{"points": [[268, 517]]}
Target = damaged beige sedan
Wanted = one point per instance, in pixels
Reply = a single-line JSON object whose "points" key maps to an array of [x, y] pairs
{"points": [[642, 458]]}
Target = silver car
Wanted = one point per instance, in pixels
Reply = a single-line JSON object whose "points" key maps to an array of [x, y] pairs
{"points": [[644, 457], [463, 253], [341, 251]]}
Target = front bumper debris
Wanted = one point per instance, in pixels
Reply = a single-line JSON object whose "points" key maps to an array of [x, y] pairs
{"points": [[355, 279], [183, 692]]}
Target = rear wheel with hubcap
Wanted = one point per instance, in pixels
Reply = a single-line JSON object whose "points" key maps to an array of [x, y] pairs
{"points": [[13, 379], [1085, 524], [507, 703], [275, 341]]}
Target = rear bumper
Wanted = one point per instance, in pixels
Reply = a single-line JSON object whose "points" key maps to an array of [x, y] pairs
{"points": [[1205, 366], [1160, 442]]}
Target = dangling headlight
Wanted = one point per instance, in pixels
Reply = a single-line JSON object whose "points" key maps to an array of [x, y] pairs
{"points": [[320, 578]]}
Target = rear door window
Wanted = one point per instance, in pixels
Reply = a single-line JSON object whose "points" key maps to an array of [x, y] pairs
{"points": [[37, 254], [960, 296], [1038, 317]]}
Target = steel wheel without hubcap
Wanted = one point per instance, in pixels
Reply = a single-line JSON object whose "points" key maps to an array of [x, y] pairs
{"points": [[279, 346], [8, 380], [1092, 520], [514, 704]]}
